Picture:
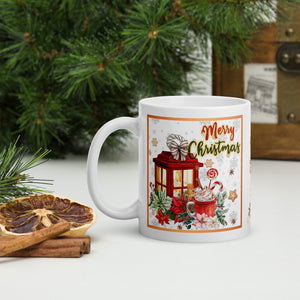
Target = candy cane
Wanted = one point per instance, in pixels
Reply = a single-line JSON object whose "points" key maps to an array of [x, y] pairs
{"points": [[217, 183], [212, 173]]}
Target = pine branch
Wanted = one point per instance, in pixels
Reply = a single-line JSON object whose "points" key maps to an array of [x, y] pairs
{"points": [[83, 71], [13, 181], [43, 118], [69, 66], [150, 32]]}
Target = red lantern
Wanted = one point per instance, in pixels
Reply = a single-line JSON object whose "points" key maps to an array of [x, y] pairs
{"points": [[175, 175]]}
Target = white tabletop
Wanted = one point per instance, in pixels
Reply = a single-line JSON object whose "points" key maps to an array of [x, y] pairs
{"points": [[125, 265]]}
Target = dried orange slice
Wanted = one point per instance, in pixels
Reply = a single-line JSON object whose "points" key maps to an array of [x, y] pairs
{"points": [[34, 212]]}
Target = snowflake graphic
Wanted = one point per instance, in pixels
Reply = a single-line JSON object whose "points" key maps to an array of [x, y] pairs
{"points": [[234, 163], [220, 159], [237, 124], [233, 217]]}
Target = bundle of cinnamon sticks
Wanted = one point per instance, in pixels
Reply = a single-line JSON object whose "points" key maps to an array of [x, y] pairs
{"points": [[45, 243]]}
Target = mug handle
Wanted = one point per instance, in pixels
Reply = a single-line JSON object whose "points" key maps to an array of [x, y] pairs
{"points": [[188, 209], [130, 124]]}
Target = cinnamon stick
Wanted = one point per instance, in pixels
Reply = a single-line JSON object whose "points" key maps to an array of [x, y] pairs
{"points": [[60, 242], [85, 238], [199, 183], [64, 252], [24, 241]]}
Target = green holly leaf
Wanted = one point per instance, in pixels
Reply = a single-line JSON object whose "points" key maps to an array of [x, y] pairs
{"points": [[188, 221], [172, 215]]}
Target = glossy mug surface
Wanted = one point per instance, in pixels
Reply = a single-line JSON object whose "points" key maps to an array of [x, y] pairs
{"points": [[194, 168]]}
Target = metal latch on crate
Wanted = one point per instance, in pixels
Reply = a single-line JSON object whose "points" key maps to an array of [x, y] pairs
{"points": [[288, 57], [288, 76], [288, 62]]}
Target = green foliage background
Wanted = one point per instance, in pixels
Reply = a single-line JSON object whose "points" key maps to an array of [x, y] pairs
{"points": [[69, 66]]}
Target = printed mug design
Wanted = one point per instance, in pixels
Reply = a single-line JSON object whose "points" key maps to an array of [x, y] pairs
{"points": [[194, 173]]}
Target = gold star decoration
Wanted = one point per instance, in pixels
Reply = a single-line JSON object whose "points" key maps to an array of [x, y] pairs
{"points": [[231, 172], [208, 163], [232, 195], [154, 142]]}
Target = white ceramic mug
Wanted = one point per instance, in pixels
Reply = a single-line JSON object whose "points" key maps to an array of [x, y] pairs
{"points": [[192, 149]]}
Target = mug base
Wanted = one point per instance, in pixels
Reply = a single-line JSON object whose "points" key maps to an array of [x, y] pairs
{"points": [[193, 237]]}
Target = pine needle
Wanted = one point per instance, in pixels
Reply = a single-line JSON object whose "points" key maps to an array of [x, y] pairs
{"points": [[13, 181]]}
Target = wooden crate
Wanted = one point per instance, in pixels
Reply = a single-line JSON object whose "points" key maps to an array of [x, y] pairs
{"points": [[281, 138]]}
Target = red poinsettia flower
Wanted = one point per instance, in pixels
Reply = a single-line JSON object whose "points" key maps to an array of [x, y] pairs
{"points": [[179, 205], [162, 218], [179, 208]]}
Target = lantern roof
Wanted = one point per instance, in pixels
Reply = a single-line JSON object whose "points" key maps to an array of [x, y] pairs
{"points": [[165, 159]]}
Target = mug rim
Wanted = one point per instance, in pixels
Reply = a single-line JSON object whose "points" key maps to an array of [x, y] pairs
{"points": [[183, 102]]}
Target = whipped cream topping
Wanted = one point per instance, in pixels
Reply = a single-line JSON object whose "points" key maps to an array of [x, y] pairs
{"points": [[205, 194]]}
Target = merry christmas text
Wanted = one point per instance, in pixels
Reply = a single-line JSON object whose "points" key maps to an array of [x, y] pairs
{"points": [[200, 149], [215, 130]]}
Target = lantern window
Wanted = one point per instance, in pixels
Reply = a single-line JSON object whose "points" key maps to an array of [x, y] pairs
{"points": [[160, 178], [188, 177], [181, 178]]}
